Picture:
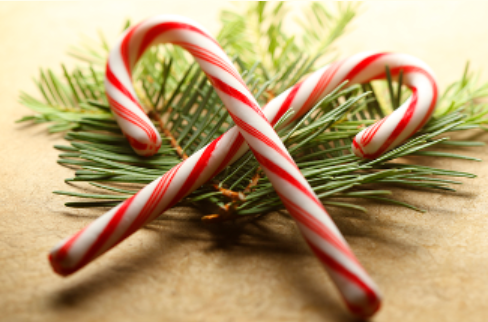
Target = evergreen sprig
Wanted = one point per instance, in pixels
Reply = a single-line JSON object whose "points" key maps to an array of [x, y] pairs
{"points": [[189, 114]]}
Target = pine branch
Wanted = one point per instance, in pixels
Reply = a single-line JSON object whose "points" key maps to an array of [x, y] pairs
{"points": [[188, 113]]}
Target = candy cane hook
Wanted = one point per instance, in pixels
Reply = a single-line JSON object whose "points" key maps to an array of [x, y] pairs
{"points": [[358, 290]]}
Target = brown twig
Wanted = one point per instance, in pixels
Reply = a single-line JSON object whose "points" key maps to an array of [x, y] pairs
{"points": [[155, 115], [235, 196], [226, 213], [173, 142], [254, 181]]}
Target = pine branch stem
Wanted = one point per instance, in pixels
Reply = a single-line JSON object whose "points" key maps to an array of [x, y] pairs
{"points": [[155, 116], [254, 181], [173, 142], [235, 196]]}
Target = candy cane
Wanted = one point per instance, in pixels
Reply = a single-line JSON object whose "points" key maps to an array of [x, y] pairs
{"points": [[358, 290]]}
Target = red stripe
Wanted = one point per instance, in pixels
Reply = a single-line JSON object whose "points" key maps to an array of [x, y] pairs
{"points": [[172, 174], [106, 234], [371, 131], [124, 48], [320, 87], [234, 93], [263, 138], [195, 173], [136, 144], [236, 145], [133, 118], [308, 220], [358, 147], [374, 301], [155, 198], [285, 175], [117, 84], [148, 206], [401, 125], [208, 56], [216, 62], [61, 254], [194, 49], [362, 65], [286, 103], [163, 27], [415, 69]]}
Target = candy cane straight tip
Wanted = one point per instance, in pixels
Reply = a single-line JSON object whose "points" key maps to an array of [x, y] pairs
{"points": [[254, 130], [57, 267]]}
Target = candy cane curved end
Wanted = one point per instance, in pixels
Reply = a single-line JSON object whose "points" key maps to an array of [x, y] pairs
{"points": [[143, 137], [406, 120]]}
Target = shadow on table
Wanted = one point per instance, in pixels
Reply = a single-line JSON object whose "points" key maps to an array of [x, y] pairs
{"points": [[272, 239]]}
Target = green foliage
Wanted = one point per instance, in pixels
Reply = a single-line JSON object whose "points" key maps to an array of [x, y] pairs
{"points": [[179, 97]]}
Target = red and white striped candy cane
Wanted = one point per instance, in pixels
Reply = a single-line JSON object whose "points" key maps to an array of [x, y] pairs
{"points": [[323, 237]]}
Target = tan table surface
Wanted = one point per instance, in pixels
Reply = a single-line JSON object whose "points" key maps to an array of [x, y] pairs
{"points": [[430, 267]]}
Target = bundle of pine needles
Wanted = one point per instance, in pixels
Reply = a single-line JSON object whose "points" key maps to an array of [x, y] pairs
{"points": [[184, 107]]}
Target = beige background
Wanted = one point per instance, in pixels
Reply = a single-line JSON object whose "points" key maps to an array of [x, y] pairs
{"points": [[431, 267]]}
